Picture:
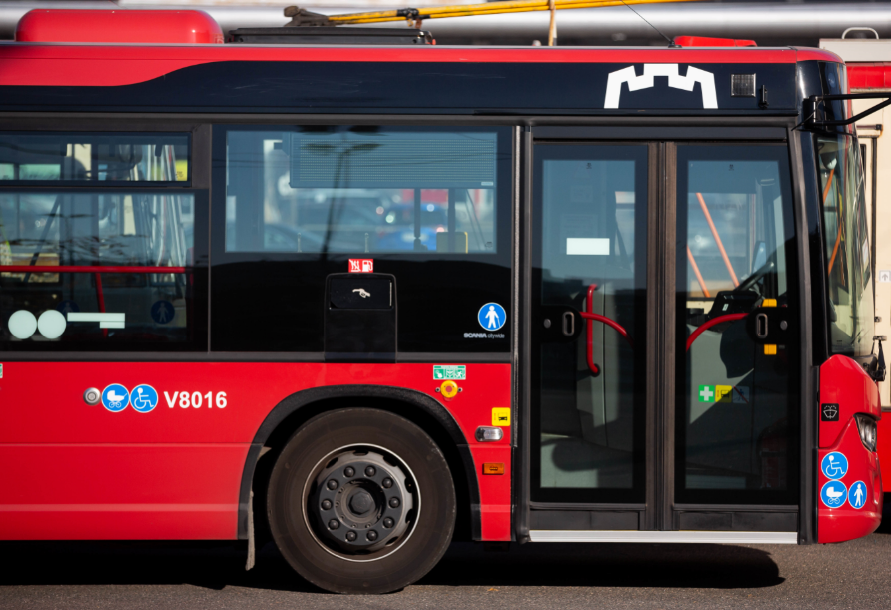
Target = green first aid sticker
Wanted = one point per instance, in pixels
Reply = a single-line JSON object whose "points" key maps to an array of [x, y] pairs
{"points": [[723, 393], [449, 371]]}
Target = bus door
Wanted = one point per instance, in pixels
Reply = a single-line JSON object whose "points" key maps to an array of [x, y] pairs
{"points": [[664, 323]]}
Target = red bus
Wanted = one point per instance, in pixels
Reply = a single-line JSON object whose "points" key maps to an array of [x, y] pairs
{"points": [[365, 300]]}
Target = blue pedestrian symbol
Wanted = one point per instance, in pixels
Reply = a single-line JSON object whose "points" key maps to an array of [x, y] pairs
{"points": [[857, 495], [162, 312], [115, 397], [492, 316], [833, 494], [144, 398], [834, 465]]}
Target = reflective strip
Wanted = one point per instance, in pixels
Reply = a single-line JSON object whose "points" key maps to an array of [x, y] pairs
{"points": [[683, 536], [105, 320]]}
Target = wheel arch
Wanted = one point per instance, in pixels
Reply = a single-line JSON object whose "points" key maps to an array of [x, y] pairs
{"points": [[294, 410]]}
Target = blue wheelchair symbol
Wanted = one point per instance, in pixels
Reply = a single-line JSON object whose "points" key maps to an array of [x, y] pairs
{"points": [[115, 398], [833, 494], [492, 316], [144, 398], [834, 465], [857, 495]]}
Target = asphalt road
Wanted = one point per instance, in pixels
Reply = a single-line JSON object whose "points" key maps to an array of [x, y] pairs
{"points": [[157, 576]]}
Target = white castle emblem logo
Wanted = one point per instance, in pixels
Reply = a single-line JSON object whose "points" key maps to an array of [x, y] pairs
{"points": [[705, 79]]}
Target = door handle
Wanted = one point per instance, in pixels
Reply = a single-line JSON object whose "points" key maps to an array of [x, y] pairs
{"points": [[568, 324], [761, 326]]}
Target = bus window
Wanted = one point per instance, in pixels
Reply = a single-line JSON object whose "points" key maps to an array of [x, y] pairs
{"points": [[736, 430], [28, 158], [846, 242], [361, 190], [54, 249]]}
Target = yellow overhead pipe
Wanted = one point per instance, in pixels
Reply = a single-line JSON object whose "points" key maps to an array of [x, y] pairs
{"points": [[459, 10]]}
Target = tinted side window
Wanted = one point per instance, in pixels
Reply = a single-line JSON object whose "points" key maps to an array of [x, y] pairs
{"points": [[368, 191], [429, 205], [847, 252], [73, 157], [87, 267]]}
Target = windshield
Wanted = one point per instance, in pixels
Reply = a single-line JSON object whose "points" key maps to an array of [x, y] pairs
{"points": [[846, 243]]}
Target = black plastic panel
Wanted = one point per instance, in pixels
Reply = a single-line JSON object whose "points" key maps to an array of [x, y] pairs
{"points": [[584, 520], [367, 87]]}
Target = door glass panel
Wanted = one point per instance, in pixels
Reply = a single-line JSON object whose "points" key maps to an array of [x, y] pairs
{"points": [[735, 413], [588, 381]]}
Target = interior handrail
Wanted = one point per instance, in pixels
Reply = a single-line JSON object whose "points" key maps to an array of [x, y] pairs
{"points": [[717, 236], [590, 317], [731, 317]]}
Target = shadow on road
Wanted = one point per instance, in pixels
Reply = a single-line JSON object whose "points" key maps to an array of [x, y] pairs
{"points": [[885, 527], [218, 565], [608, 565]]}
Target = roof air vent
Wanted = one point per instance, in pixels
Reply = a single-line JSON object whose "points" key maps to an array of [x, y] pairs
{"points": [[160, 26]]}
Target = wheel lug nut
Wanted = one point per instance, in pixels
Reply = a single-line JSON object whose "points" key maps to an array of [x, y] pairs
{"points": [[350, 536], [394, 502], [387, 483], [372, 535], [333, 524], [332, 484], [369, 471], [388, 523], [326, 504], [349, 471]]}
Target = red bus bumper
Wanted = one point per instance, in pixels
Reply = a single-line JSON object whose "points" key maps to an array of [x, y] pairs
{"points": [[850, 502], [846, 522]]}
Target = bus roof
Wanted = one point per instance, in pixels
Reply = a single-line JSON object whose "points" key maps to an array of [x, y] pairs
{"points": [[97, 64]]}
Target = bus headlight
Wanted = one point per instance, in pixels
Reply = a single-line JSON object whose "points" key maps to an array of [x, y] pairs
{"points": [[867, 427]]}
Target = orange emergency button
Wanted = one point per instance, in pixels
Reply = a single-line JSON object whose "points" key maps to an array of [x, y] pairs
{"points": [[448, 389], [493, 468]]}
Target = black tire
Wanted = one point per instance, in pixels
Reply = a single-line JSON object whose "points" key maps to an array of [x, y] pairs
{"points": [[303, 472]]}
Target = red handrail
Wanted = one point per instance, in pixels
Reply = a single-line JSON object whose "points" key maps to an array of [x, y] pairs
{"points": [[731, 317], [590, 316], [88, 269]]}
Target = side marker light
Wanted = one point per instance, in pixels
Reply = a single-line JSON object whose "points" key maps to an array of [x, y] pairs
{"points": [[493, 468], [770, 350], [485, 434]]}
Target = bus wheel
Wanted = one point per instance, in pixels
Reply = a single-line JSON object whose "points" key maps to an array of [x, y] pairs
{"points": [[361, 501]]}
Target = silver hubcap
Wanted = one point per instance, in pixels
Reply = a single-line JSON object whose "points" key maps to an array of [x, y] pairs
{"points": [[362, 502]]}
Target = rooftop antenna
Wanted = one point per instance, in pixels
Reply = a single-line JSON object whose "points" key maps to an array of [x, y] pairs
{"points": [[671, 44]]}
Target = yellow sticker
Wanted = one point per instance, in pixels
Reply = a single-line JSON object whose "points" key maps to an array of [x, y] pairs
{"points": [[182, 170], [723, 393], [501, 416]]}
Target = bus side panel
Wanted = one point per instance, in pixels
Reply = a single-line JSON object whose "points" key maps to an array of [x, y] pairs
{"points": [[884, 448], [174, 472], [116, 491], [495, 507], [850, 502]]}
